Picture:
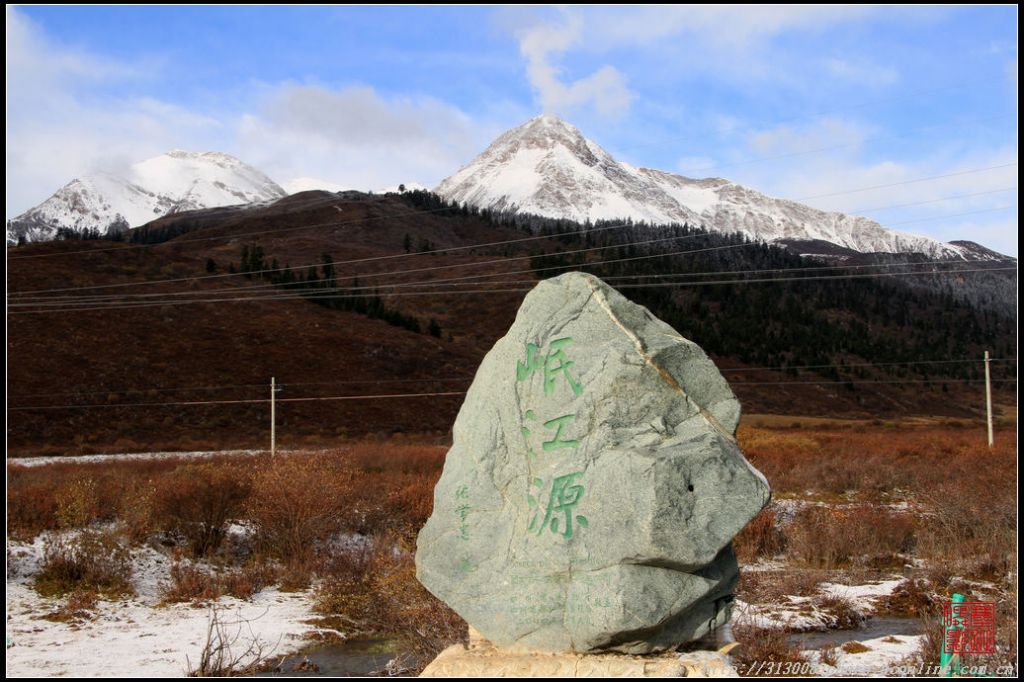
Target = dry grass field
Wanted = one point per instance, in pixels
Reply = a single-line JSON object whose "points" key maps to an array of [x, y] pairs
{"points": [[927, 509]]}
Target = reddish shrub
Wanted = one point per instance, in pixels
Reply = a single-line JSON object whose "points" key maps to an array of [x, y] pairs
{"points": [[198, 500], [299, 501], [90, 562], [761, 538]]}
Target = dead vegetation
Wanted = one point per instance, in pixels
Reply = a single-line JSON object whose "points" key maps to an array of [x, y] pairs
{"points": [[228, 651], [872, 499], [79, 606], [198, 584], [89, 562], [767, 652], [341, 521], [934, 505], [297, 503]]}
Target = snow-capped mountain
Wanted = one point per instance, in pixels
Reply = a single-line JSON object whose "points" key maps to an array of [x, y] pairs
{"points": [[169, 183], [546, 167]]}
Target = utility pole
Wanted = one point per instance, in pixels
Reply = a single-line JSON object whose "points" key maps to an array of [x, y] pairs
{"points": [[273, 421], [988, 399]]}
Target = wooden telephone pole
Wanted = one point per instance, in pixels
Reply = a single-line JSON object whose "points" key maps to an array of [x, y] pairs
{"points": [[988, 399], [273, 418]]}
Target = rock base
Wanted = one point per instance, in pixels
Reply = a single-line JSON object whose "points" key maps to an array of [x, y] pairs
{"points": [[483, 659]]}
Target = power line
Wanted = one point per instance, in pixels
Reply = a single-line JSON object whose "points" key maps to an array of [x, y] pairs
{"points": [[190, 403], [274, 290], [226, 387], [370, 275], [164, 389], [461, 281], [174, 242], [867, 364], [816, 277], [903, 135], [321, 263], [872, 381], [953, 215], [907, 182], [934, 201], [475, 280], [273, 295], [89, 298], [471, 280], [805, 116], [442, 250], [185, 403], [286, 297]]}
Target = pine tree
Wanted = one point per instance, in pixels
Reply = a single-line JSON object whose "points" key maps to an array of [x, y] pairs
{"points": [[328, 269], [245, 266]]}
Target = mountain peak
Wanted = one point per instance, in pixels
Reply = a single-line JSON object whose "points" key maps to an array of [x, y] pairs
{"points": [[547, 120], [178, 180], [548, 168], [182, 154], [546, 131], [202, 156]]}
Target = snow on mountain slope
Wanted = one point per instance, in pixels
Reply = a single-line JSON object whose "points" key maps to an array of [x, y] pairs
{"points": [[306, 184], [546, 167], [170, 183]]}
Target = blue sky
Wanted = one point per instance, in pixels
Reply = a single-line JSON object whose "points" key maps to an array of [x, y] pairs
{"points": [[807, 103]]}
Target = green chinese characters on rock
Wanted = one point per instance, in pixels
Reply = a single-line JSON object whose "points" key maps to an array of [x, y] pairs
{"points": [[555, 363], [557, 441], [558, 513], [462, 510]]}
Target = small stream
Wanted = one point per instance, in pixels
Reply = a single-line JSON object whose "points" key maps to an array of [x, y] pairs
{"points": [[876, 626], [352, 658]]}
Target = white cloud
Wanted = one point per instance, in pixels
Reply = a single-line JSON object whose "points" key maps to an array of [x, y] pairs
{"points": [[541, 44], [694, 166], [998, 233], [727, 39], [862, 72], [828, 132], [304, 184], [300, 135], [55, 132], [853, 162], [356, 138], [726, 26]]}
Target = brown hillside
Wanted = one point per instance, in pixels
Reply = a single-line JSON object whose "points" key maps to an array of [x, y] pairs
{"points": [[184, 353]]}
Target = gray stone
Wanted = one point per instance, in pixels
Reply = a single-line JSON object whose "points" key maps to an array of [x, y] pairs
{"points": [[594, 485]]}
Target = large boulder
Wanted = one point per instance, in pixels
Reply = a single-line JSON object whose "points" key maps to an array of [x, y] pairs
{"points": [[594, 485]]}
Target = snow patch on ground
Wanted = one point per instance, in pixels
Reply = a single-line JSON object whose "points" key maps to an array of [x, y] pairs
{"points": [[795, 614], [883, 655], [804, 614], [93, 459], [135, 636], [861, 593]]}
